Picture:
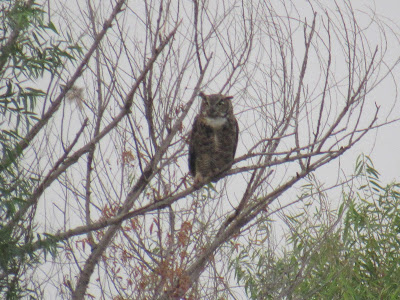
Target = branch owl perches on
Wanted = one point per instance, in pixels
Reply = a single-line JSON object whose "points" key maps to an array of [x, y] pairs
{"points": [[213, 139]]}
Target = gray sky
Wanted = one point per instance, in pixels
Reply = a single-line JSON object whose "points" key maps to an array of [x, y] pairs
{"points": [[383, 144]]}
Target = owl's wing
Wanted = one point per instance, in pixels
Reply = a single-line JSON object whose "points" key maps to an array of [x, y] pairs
{"points": [[236, 136], [192, 151]]}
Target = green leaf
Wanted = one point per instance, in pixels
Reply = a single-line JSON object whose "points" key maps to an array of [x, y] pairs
{"points": [[51, 26]]}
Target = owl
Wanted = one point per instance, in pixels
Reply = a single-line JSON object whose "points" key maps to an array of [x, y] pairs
{"points": [[213, 139]]}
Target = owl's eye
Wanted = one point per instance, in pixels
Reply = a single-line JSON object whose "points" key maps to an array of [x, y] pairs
{"points": [[220, 103]]}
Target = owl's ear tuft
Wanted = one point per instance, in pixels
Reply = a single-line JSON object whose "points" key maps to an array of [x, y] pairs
{"points": [[202, 95], [228, 98]]}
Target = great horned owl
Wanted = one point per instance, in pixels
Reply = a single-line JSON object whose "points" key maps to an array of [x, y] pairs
{"points": [[213, 139]]}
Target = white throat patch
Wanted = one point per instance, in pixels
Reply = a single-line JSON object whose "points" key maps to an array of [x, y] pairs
{"points": [[215, 122]]}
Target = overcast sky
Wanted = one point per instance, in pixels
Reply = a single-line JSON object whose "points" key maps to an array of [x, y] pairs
{"points": [[383, 145]]}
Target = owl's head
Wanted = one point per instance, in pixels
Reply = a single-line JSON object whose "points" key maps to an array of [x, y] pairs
{"points": [[216, 105]]}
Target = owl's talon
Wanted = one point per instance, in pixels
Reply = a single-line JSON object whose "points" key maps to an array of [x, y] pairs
{"points": [[197, 180]]}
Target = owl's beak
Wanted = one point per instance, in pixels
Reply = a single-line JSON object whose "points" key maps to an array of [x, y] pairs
{"points": [[213, 113]]}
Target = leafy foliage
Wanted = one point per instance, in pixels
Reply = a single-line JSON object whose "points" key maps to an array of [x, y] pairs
{"points": [[356, 258], [31, 49]]}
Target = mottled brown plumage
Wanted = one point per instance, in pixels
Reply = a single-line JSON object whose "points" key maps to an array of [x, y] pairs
{"points": [[213, 139]]}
